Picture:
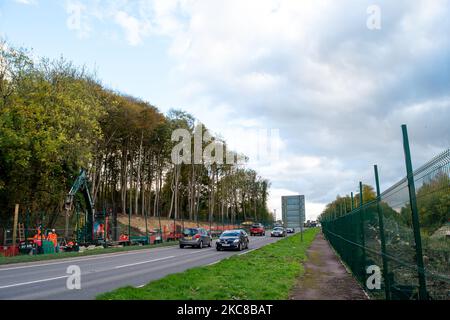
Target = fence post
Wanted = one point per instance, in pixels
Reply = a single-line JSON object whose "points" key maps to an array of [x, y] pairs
{"points": [[415, 215], [129, 225], [353, 201], [146, 227], [361, 221], [16, 221], [27, 224], [387, 284]]}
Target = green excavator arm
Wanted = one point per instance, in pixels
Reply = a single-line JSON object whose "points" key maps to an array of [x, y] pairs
{"points": [[81, 184]]}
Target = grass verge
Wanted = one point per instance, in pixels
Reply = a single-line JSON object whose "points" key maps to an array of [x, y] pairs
{"points": [[64, 255], [266, 273]]}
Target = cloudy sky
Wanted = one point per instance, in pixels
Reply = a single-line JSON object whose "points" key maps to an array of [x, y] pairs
{"points": [[334, 90]]}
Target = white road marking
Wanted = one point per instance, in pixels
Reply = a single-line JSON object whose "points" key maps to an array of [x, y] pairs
{"points": [[31, 282], [105, 256], [240, 254], [142, 262], [61, 277], [86, 258], [213, 263]]}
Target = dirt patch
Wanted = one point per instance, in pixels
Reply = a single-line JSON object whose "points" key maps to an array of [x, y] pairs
{"points": [[167, 225], [325, 277]]}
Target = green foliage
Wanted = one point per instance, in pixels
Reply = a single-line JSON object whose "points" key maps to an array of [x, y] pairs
{"points": [[46, 124], [343, 205], [56, 118]]}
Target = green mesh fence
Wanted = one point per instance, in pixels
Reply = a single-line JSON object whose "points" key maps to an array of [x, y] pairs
{"points": [[358, 238]]}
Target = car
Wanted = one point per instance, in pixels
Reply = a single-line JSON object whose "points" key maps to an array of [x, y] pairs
{"points": [[195, 237], [278, 232], [244, 231], [232, 239], [289, 230], [257, 229]]}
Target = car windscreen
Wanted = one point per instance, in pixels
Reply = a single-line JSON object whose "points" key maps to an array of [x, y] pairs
{"points": [[190, 232], [256, 226], [278, 229], [230, 234]]}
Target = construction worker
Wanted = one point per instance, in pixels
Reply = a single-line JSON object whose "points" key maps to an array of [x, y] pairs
{"points": [[37, 236], [53, 237]]}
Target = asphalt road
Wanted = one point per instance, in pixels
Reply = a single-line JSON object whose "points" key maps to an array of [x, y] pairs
{"points": [[101, 273]]}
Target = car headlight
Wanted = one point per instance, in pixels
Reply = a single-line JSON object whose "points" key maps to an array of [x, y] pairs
{"points": [[237, 240]]}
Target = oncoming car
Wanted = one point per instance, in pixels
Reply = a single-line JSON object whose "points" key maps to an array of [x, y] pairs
{"points": [[289, 230], [232, 239], [278, 232], [195, 237]]}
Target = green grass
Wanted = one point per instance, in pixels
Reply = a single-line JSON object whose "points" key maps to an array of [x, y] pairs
{"points": [[64, 255], [266, 273]]}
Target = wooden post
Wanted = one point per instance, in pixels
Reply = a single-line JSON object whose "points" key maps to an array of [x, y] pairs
{"points": [[16, 221]]}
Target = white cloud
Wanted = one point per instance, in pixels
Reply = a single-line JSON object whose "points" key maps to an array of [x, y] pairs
{"points": [[134, 29], [27, 2], [336, 91]]}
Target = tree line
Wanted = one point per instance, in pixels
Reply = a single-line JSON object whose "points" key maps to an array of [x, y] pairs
{"points": [[56, 118], [432, 197]]}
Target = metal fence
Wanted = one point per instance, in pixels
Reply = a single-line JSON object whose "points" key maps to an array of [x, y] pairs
{"points": [[404, 233]]}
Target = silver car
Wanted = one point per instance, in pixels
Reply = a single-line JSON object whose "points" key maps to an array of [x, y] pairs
{"points": [[278, 232], [195, 237]]}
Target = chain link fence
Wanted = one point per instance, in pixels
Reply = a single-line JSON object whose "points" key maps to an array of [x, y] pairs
{"points": [[413, 257]]}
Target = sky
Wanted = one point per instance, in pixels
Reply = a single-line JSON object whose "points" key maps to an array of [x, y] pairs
{"points": [[332, 80]]}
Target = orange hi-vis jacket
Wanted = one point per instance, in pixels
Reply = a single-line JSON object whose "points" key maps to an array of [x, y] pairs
{"points": [[53, 237]]}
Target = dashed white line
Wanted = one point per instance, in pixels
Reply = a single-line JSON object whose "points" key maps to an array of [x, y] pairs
{"points": [[31, 282], [142, 262], [87, 258], [240, 254]]}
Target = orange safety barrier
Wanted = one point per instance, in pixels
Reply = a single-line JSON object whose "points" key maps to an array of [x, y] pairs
{"points": [[9, 251]]}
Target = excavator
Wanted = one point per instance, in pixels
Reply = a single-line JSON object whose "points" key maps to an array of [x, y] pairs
{"points": [[81, 184]]}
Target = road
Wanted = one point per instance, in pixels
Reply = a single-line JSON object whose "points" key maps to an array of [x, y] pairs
{"points": [[105, 272]]}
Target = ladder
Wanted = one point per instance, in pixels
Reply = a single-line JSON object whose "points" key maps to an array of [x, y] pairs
{"points": [[21, 232]]}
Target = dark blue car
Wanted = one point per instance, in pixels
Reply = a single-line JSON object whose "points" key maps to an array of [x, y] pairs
{"points": [[232, 239]]}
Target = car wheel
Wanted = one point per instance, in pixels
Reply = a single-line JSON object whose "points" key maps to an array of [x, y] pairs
{"points": [[200, 245], [246, 245], [181, 246], [239, 248], [218, 249]]}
